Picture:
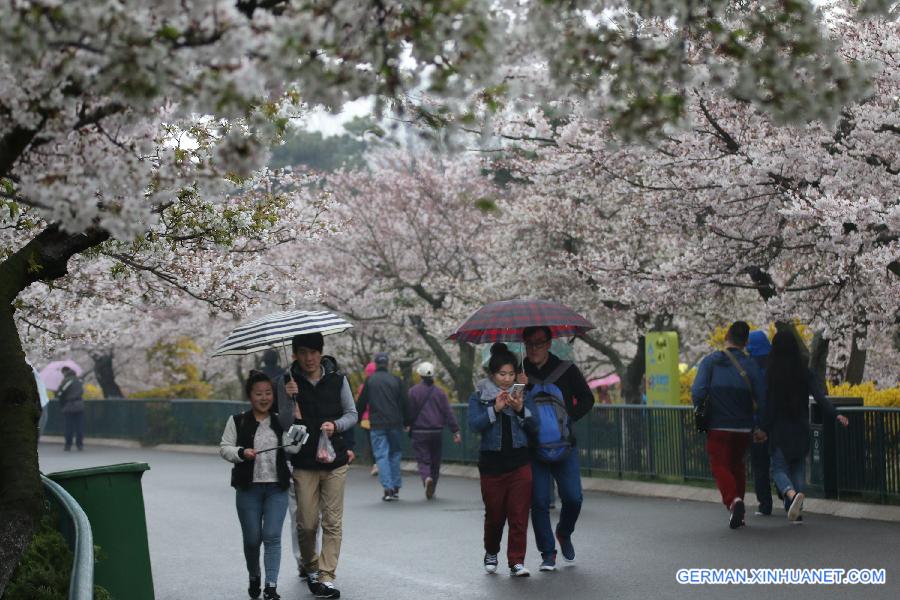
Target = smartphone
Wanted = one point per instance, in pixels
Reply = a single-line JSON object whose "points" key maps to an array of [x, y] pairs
{"points": [[517, 389]]}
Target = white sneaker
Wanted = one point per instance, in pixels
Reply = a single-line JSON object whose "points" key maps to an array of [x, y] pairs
{"points": [[796, 506], [519, 571]]}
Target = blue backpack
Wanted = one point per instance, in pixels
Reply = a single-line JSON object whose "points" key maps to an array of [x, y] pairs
{"points": [[553, 442]]}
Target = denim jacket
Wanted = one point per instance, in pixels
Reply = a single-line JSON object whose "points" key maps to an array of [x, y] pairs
{"points": [[483, 418]]}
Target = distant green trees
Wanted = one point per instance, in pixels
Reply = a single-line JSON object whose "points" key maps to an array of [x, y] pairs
{"points": [[312, 149]]}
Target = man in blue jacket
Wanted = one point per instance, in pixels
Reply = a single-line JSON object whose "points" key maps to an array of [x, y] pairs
{"points": [[733, 386]]}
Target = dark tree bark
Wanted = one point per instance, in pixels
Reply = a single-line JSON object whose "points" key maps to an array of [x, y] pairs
{"points": [[44, 258], [633, 381], [406, 371], [105, 373], [20, 493], [818, 357], [856, 364]]}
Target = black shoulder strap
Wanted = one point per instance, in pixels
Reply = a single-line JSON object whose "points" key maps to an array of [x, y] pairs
{"points": [[744, 376], [558, 372]]}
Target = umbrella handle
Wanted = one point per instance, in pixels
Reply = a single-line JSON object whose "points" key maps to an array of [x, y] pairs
{"points": [[288, 379]]}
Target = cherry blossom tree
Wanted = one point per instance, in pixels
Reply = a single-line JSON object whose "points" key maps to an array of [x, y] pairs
{"points": [[128, 129], [803, 217], [417, 254]]}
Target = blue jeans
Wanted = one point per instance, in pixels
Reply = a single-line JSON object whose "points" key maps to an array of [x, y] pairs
{"points": [[261, 510], [387, 446], [568, 483], [788, 475], [759, 458]]}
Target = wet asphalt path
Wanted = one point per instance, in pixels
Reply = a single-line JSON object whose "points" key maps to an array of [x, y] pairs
{"points": [[627, 547]]}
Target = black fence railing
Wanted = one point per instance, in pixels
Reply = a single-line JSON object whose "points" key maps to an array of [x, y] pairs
{"points": [[861, 462]]}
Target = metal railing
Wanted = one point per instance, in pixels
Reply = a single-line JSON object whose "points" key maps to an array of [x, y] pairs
{"points": [[76, 529], [626, 441], [867, 454]]}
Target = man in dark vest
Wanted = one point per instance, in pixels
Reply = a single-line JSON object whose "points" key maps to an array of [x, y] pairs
{"points": [[324, 403]]}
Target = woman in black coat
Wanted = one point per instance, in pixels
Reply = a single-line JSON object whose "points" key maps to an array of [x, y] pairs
{"points": [[790, 384]]}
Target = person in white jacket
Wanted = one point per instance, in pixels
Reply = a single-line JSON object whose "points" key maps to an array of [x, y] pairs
{"points": [[257, 445]]}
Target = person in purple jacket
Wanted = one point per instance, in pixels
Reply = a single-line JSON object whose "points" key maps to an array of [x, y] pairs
{"points": [[429, 412]]}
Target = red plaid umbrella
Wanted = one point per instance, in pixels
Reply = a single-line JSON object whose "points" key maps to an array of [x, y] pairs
{"points": [[504, 321]]}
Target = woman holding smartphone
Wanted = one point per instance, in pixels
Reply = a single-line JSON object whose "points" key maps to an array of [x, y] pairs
{"points": [[505, 420], [255, 443]]}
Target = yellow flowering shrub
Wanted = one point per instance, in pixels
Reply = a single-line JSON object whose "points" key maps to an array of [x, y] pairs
{"points": [[176, 361], [92, 392], [871, 395]]}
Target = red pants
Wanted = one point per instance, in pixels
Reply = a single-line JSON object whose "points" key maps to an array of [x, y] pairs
{"points": [[727, 450], [507, 497]]}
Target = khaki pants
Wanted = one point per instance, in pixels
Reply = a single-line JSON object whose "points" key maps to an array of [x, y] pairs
{"points": [[320, 492]]}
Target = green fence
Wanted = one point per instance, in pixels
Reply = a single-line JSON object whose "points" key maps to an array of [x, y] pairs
{"points": [[152, 421], [861, 462]]}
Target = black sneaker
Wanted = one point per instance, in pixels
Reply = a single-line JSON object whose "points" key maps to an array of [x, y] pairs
{"points": [[312, 581], [326, 589], [737, 514], [255, 587], [388, 495], [270, 594], [566, 547], [395, 494]]}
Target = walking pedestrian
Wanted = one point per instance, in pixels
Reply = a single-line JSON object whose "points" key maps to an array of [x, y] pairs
{"points": [[261, 481], [758, 347], [559, 388], [365, 424], [730, 384], [790, 385], [71, 400], [270, 365], [325, 406], [505, 420], [384, 397], [429, 413]]}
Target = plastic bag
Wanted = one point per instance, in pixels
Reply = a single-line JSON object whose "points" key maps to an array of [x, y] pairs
{"points": [[325, 452]]}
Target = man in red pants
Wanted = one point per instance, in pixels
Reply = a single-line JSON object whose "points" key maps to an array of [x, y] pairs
{"points": [[734, 389]]}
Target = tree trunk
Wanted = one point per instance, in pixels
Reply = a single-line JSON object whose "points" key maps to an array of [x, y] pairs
{"points": [[818, 357], [633, 381], [21, 498], [106, 374], [44, 258], [406, 373], [856, 364], [465, 379]]}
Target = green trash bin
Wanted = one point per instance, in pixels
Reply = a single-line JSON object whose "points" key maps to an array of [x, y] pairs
{"points": [[114, 502]]}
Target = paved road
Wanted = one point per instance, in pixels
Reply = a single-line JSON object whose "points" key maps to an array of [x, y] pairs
{"points": [[627, 547]]}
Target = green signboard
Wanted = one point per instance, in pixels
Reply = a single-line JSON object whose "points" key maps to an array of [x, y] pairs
{"points": [[663, 381]]}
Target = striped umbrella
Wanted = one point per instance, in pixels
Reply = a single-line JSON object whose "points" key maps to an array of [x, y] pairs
{"points": [[505, 321], [277, 329]]}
